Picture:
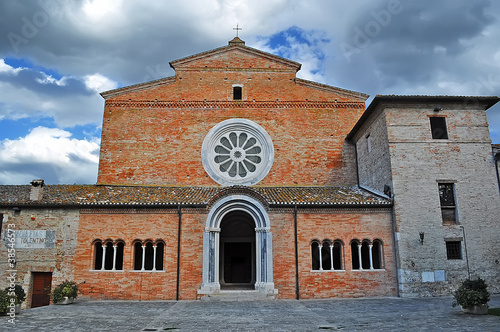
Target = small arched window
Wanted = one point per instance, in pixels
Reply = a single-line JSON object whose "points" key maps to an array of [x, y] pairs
{"points": [[367, 255], [326, 255], [148, 256], [108, 255], [98, 255], [378, 254], [355, 255]]}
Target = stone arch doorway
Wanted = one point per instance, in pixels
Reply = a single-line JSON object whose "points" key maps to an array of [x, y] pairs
{"points": [[237, 251], [229, 213]]}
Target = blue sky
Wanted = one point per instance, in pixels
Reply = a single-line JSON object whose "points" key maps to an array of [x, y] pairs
{"points": [[56, 56]]}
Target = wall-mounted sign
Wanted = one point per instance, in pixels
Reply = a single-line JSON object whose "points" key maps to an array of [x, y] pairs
{"points": [[33, 239]]}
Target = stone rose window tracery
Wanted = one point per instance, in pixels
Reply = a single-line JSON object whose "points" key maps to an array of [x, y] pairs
{"points": [[237, 152]]}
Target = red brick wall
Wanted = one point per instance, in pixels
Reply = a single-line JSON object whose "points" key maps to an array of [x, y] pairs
{"points": [[129, 284], [328, 284], [146, 144], [163, 146]]}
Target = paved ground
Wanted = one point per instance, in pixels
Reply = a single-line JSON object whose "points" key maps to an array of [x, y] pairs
{"points": [[382, 314]]}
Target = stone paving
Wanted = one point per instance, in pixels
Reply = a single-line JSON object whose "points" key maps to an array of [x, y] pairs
{"points": [[380, 314]]}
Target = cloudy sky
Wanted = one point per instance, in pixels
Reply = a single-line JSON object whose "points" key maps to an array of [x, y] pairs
{"points": [[57, 55]]}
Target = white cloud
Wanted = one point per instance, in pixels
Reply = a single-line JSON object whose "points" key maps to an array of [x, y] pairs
{"points": [[99, 83], [7, 69], [70, 101], [50, 154]]}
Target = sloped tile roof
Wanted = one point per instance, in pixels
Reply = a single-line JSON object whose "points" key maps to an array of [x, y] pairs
{"points": [[150, 196]]}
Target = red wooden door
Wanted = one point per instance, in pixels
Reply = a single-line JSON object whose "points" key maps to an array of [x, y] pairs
{"points": [[41, 289]]}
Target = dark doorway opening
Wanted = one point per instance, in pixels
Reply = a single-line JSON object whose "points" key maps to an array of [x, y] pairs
{"points": [[42, 282], [238, 262], [237, 254]]}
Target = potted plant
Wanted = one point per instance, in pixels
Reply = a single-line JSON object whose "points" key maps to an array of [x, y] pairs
{"points": [[20, 295], [64, 293], [11, 299], [473, 296], [4, 302]]}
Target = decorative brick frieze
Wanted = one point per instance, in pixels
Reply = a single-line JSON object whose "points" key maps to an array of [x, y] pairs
{"points": [[233, 104]]}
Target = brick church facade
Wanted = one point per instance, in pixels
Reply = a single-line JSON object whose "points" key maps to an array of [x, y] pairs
{"points": [[236, 176]]}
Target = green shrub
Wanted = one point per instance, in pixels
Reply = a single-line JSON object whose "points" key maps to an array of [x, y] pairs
{"points": [[64, 289], [4, 300], [471, 293], [20, 293]]}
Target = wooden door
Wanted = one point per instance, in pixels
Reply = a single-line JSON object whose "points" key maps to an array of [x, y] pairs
{"points": [[41, 289]]}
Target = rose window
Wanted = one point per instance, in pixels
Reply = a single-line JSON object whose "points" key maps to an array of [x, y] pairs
{"points": [[237, 152]]}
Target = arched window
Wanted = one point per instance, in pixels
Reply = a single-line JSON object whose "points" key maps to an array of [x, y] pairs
{"points": [[108, 255], [148, 250], [355, 255], [148, 256], [98, 255], [326, 255], [118, 259], [337, 255], [315, 255], [160, 248], [367, 255], [137, 255], [378, 254]]}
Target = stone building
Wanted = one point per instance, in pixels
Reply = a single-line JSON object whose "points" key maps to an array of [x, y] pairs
{"points": [[236, 176]]}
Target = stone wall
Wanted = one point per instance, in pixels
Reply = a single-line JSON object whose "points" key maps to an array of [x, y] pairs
{"points": [[52, 251], [418, 164], [374, 160]]}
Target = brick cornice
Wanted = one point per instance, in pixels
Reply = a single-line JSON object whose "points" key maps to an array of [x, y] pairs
{"points": [[234, 104]]}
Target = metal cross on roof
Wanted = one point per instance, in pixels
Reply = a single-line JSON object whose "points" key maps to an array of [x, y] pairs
{"points": [[237, 28]]}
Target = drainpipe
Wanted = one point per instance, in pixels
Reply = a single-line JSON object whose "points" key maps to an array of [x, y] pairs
{"points": [[297, 290], [356, 161], [466, 255], [395, 239], [497, 157], [178, 251]]}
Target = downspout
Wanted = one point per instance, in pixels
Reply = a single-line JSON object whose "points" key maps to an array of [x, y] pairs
{"points": [[466, 255], [356, 160], [297, 290], [395, 239], [178, 251], [497, 157]]}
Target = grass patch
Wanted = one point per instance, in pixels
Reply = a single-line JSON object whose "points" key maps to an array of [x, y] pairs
{"points": [[494, 311]]}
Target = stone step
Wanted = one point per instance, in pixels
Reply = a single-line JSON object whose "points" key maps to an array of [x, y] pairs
{"points": [[237, 295]]}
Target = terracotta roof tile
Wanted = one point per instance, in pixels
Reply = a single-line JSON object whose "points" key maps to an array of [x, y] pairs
{"points": [[103, 195]]}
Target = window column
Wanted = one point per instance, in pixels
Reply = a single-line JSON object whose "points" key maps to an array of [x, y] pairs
{"points": [[359, 256], [154, 257], [370, 246], [331, 256], [114, 257], [320, 248], [103, 256], [143, 256]]}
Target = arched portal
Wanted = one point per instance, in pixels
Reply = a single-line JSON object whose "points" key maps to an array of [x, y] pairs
{"points": [[233, 217]]}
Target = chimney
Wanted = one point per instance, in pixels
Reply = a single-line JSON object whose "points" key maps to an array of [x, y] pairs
{"points": [[36, 192]]}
